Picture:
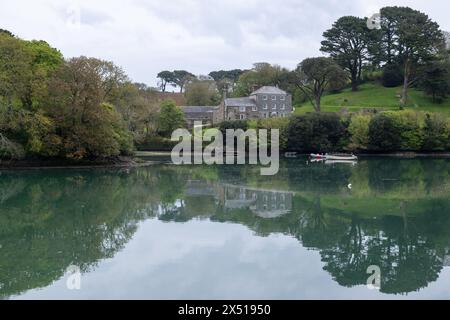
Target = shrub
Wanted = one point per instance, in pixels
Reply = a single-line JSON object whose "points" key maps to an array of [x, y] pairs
{"points": [[392, 76], [276, 123], [239, 124], [359, 131], [410, 124], [384, 135], [316, 132], [436, 133]]}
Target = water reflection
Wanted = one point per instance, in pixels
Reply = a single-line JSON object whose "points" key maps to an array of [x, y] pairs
{"points": [[396, 216]]}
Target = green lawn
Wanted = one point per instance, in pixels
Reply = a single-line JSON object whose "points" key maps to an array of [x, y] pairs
{"points": [[376, 96]]}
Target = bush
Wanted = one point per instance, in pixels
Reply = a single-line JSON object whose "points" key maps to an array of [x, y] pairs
{"points": [[409, 124], [240, 124], [276, 123], [316, 132], [384, 135], [392, 76], [359, 132], [436, 133]]}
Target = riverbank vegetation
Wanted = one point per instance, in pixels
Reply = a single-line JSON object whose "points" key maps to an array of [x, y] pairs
{"points": [[362, 132], [78, 109], [386, 89]]}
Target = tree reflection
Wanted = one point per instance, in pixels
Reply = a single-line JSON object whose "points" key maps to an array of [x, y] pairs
{"points": [[396, 216]]}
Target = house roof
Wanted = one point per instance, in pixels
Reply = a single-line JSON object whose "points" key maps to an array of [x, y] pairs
{"points": [[198, 109], [269, 90], [240, 102]]}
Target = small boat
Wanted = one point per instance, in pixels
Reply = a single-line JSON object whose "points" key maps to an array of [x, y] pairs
{"points": [[337, 157], [290, 155], [317, 156]]}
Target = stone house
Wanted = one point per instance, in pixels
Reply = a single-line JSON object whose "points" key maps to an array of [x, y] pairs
{"points": [[266, 102]]}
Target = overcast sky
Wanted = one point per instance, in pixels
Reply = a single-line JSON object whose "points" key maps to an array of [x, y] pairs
{"points": [[147, 36]]}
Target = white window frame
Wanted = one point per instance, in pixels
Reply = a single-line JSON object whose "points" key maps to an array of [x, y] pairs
{"points": [[242, 116], [282, 98], [283, 106], [274, 98], [266, 106], [242, 109], [274, 106], [254, 108], [265, 97]]}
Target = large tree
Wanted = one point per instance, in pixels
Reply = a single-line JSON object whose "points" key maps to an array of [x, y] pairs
{"points": [[87, 125], [411, 39], [181, 78], [262, 74], [314, 76], [165, 78], [226, 80], [348, 43]]}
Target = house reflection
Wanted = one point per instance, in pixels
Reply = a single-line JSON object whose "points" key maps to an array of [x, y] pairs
{"points": [[264, 203]]}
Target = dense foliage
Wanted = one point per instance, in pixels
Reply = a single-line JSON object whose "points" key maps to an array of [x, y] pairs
{"points": [[373, 132], [80, 108]]}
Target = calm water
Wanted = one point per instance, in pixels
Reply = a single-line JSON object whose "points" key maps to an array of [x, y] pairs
{"points": [[226, 232]]}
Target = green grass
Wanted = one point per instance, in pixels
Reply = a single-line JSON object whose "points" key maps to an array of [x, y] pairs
{"points": [[376, 96]]}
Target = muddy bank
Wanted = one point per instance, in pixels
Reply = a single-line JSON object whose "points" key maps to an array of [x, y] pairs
{"points": [[118, 162]]}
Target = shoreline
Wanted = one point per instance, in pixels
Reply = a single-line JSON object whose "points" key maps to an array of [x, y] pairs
{"points": [[401, 154], [137, 161], [35, 164]]}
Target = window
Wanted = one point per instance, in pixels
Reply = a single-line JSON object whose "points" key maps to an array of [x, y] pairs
{"points": [[266, 106], [254, 108], [242, 116], [274, 107], [242, 109], [282, 98], [264, 97], [283, 107], [274, 98]]}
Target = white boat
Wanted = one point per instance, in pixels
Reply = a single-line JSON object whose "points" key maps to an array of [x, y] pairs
{"points": [[327, 156]]}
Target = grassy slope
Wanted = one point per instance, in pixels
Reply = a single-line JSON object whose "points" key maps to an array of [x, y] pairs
{"points": [[376, 96]]}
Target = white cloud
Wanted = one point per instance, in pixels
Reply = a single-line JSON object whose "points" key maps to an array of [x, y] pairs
{"points": [[145, 37]]}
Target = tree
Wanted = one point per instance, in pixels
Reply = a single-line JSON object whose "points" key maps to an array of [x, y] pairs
{"points": [[315, 75], [347, 42], [6, 32], [392, 75], [226, 80], [139, 108], [15, 69], [411, 38], [181, 78], [171, 118], [435, 81], [88, 126], [165, 78], [262, 74], [46, 60], [202, 93]]}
